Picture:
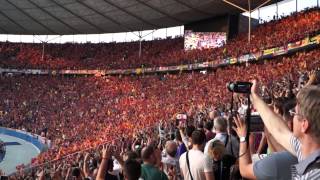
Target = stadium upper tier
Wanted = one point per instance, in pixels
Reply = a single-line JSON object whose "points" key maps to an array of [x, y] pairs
{"points": [[154, 53], [105, 16]]}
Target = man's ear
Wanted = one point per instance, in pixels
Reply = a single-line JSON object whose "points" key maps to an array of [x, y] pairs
{"points": [[305, 125]]}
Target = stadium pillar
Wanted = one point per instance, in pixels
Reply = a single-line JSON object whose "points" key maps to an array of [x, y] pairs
{"points": [[140, 39], [42, 56], [249, 34], [259, 15], [277, 10], [249, 10], [140, 48]]}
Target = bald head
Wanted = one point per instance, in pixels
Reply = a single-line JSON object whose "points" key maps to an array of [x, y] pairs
{"points": [[171, 148]]}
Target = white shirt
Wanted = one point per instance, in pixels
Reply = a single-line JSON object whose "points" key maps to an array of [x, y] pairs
{"points": [[219, 136], [199, 164], [168, 162]]}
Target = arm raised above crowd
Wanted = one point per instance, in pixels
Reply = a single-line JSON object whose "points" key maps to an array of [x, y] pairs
{"points": [[273, 122], [106, 155]]}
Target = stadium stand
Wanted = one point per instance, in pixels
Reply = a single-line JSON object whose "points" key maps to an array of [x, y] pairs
{"points": [[155, 53]]}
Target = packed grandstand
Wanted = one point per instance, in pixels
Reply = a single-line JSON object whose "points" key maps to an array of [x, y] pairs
{"points": [[87, 119]]}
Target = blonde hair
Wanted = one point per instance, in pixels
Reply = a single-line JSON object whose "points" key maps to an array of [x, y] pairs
{"points": [[216, 147], [308, 99]]}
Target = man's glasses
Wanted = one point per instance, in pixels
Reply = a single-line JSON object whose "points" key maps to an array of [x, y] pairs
{"points": [[294, 113]]}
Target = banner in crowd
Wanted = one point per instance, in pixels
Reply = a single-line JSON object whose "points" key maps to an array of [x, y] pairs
{"points": [[203, 65], [256, 55], [315, 39], [268, 52], [139, 70], [244, 58], [294, 45], [280, 50], [305, 42], [233, 60]]}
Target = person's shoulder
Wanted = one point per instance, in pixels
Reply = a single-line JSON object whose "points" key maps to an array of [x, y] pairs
{"points": [[169, 160], [145, 167], [279, 159], [283, 154], [183, 154], [163, 176], [229, 158], [274, 165], [296, 145], [183, 157], [196, 152]]}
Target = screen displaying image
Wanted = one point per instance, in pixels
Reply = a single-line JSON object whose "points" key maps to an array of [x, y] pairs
{"points": [[203, 40]]}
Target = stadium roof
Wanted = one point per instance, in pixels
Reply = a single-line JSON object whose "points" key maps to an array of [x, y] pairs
{"points": [[47, 17]]}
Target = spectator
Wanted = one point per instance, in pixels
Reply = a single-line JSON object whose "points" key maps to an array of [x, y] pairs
{"points": [[303, 142], [230, 142], [222, 161], [220, 125], [194, 164], [103, 169], [149, 171], [208, 130], [186, 138], [273, 166], [169, 161], [181, 146], [131, 170]]}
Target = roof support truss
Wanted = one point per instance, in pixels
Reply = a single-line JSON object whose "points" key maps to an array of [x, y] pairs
{"points": [[84, 20], [131, 14], [105, 16], [53, 16], [191, 7], [3, 30], [14, 22], [160, 11], [35, 20]]}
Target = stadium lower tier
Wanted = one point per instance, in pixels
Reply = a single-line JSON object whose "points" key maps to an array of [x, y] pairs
{"points": [[77, 113]]}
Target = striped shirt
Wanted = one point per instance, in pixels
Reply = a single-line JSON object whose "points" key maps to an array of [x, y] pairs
{"points": [[300, 171]]}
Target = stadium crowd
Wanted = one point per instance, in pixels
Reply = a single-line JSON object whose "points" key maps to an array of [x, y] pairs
{"points": [[79, 114], [155, 53]]}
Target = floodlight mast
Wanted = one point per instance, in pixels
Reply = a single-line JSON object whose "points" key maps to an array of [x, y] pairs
{"points": [[249, 10], [44, 42], [140, 36]]}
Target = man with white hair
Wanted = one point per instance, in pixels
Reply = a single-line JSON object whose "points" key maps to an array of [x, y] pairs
{"points": [[231, 143]]}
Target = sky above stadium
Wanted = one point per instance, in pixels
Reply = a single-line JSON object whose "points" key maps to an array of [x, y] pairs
{"points": [[265, 14]]}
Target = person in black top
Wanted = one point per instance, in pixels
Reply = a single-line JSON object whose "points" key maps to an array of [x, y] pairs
{"points": [[110, 176], [222, 161]]}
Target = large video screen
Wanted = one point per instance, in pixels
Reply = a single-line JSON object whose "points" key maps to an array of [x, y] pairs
{"points": [[203, 40]]}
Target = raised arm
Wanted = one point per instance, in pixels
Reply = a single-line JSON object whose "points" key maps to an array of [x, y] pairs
{"points": [[245, 161], [273, 122], [106, 154], [85, 165]]}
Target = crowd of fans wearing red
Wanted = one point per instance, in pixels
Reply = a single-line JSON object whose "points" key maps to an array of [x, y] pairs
{"points": [[155, 53], [77, 113]]}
